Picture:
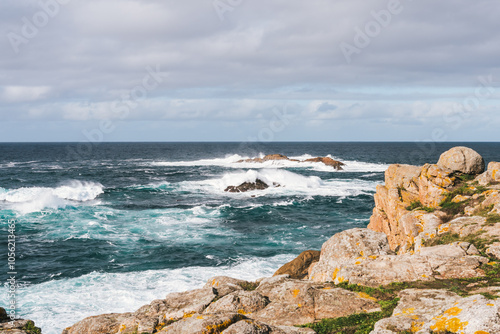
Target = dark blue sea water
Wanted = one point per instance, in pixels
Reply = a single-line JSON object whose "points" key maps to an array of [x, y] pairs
{"points": [[112, 228]]}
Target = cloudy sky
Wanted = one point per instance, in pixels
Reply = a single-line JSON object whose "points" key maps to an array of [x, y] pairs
{"points": [[237, 70]]}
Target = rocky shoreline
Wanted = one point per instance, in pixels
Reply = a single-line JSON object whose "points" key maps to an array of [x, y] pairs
{"points": [[427, 263]]}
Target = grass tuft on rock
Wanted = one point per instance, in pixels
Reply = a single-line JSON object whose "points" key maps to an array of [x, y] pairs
{"points": [[418, 205], [361, 323], [249, 286]]}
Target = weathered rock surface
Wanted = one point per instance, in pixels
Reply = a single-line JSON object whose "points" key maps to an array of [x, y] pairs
{"points": [[462, 159], [203, 323], [427, 311], [345, 248], [298, 268], [491, 175], [105, 323], [247, 186], [296, 302], [243, 302], [369, 262], [224, 285], [270, 157], [148, 317]]}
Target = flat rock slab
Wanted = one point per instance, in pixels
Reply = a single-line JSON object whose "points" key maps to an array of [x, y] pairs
{"points": [[431, 311]]}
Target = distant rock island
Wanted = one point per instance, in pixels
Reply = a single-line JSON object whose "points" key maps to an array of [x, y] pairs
{"points": [[271, 157], [427, 263]]}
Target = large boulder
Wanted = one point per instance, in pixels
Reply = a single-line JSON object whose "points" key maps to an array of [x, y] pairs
{"points": [[440, 311], [298, 268], [491, 175], [346, 246], [369, 261], [462, 159], [296, 302], [243, 302], [224, 285]]}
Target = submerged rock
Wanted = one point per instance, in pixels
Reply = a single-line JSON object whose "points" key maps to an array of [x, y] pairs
{"points": [[327, 161], [247, 186]]}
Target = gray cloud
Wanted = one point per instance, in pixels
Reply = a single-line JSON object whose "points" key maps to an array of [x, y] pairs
{"points": [[264, 53]]}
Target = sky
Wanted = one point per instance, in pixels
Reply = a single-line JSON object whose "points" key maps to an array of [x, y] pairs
{"points": [[241, 70]]}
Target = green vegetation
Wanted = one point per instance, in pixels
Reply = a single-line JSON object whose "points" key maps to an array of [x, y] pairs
{"points": [[466, 177], [248, 286], [492, 219], [30, 328], [361, 323], [481, 242], [418, 205]]}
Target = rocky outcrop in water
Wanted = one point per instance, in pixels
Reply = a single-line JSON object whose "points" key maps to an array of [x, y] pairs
{"points": [[273, 157], [248, 186]]}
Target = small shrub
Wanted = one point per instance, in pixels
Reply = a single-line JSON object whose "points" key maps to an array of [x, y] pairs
{"points": [[249, 286]]}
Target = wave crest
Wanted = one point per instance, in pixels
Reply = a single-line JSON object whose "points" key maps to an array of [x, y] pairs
{"points": [[33, 199]]}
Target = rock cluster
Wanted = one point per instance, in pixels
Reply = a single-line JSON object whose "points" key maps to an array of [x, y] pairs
{"points": [[224, 306], [270, 157], [416, 200]]}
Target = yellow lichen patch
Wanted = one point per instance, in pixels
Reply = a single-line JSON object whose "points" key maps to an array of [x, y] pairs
{"points": [[242, 312], [122, 328], [366, 296], [416, 326], [357, 262], [490, 304], [481, 332], [327, 288], [491, 263], [444, 324], [341, 279], [188, 315], [424, 275], [299, 305], [454, 311], [408, 310], [362, 253], [295, 293], [335, 272], [200, 317], [373, 257], [357, 243]]}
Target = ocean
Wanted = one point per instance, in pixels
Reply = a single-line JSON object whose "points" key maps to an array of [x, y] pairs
{"points": [[111, 228]]}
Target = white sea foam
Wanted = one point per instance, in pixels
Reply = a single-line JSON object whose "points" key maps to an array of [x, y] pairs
{"points": [[289, 184], [99, 293], [231, 161], [33, 199]]}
